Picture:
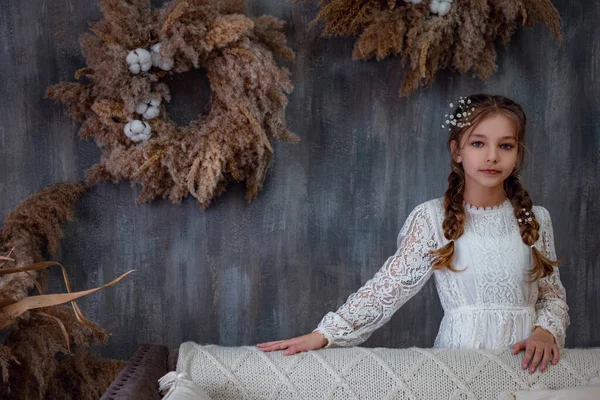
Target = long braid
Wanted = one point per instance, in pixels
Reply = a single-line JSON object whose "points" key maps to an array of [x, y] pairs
{"points": [[523, 210], [454, 220]]}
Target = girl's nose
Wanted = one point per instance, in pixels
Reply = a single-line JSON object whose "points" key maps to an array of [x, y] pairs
{"points": [[492, 156]]}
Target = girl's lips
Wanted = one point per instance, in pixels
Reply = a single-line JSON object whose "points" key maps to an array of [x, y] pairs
{"points": [[490, 171]]}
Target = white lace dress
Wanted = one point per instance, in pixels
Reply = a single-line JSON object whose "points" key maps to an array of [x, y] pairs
{"points": [[488, 305]]}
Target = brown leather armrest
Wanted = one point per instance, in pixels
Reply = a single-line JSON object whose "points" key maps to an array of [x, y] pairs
{"points": [[139, 378], [172, 360]]}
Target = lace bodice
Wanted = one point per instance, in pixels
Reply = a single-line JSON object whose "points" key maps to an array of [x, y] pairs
{"points": [[488, 304]]}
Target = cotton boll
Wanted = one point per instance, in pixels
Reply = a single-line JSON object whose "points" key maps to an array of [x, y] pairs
{"points": [[139, 59], [444, 8], [137, 126], [128, 132], [148, 109], [137, 130], [131, 133], [145, 135], [131, 57], [135, 68], [141, 108], [144, 59], [434, 7], [151, 112], [146, 132], [143, 56]]}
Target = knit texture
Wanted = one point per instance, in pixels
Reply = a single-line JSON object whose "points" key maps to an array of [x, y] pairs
{"points": [[379, 373]]}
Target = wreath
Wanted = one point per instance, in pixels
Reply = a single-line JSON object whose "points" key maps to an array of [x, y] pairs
{"points": [[46, 348], [121, 105], [432, 35]]}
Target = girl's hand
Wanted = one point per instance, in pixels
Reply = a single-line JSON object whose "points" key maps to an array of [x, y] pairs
{"points": [[312, 341], [540, 346]]}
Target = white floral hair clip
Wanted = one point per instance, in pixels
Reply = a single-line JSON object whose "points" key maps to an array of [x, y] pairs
{"points": [[525, 217], [461, 117]]}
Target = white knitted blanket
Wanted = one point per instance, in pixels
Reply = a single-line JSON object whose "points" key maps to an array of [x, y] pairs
{"points": [[380, 373]]}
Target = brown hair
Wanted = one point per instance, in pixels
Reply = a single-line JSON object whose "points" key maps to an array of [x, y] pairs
{"points": [[482, 106]]}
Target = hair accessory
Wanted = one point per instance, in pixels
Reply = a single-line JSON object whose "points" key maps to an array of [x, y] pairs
{"points": [[525, 217], [532, 246], [461, 117]]}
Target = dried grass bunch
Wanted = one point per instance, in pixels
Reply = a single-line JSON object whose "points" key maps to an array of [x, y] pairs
{"points": [[45, 353]]}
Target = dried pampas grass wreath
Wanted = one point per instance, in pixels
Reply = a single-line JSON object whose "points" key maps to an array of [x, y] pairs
{"points": [[120, 102], [433, 35], [46, 352]]}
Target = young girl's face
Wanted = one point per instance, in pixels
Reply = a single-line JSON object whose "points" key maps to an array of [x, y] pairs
{"points": [[488, 151]]}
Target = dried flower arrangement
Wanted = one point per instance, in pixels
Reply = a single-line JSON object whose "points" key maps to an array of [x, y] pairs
{"points": [[432, 35], [121, 106]]}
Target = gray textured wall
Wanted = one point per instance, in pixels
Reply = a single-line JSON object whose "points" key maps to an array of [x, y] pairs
{"points": [[332, 205]]}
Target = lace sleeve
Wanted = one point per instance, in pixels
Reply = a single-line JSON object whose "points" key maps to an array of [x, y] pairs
{"points": [[400, 278], [551, 307]]}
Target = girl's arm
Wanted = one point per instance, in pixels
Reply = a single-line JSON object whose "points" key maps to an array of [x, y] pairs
{"points": [[400, 278], [551, 307]]}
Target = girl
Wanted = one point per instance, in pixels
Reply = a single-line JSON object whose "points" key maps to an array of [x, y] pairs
{"points": [[490, 250]]}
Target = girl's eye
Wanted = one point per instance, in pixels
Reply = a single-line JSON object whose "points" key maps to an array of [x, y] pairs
{"points": [[477, 144], [507, 146]]}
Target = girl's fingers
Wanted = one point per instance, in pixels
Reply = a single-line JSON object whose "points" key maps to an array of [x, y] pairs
{"points": [[517, 347], [556, 355], [285, 344], [546, 359], [276, 346], [297, 348], [266, 344], [529, 352], [539, 353], [290, 350], [269, 348], [281, 344]]}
